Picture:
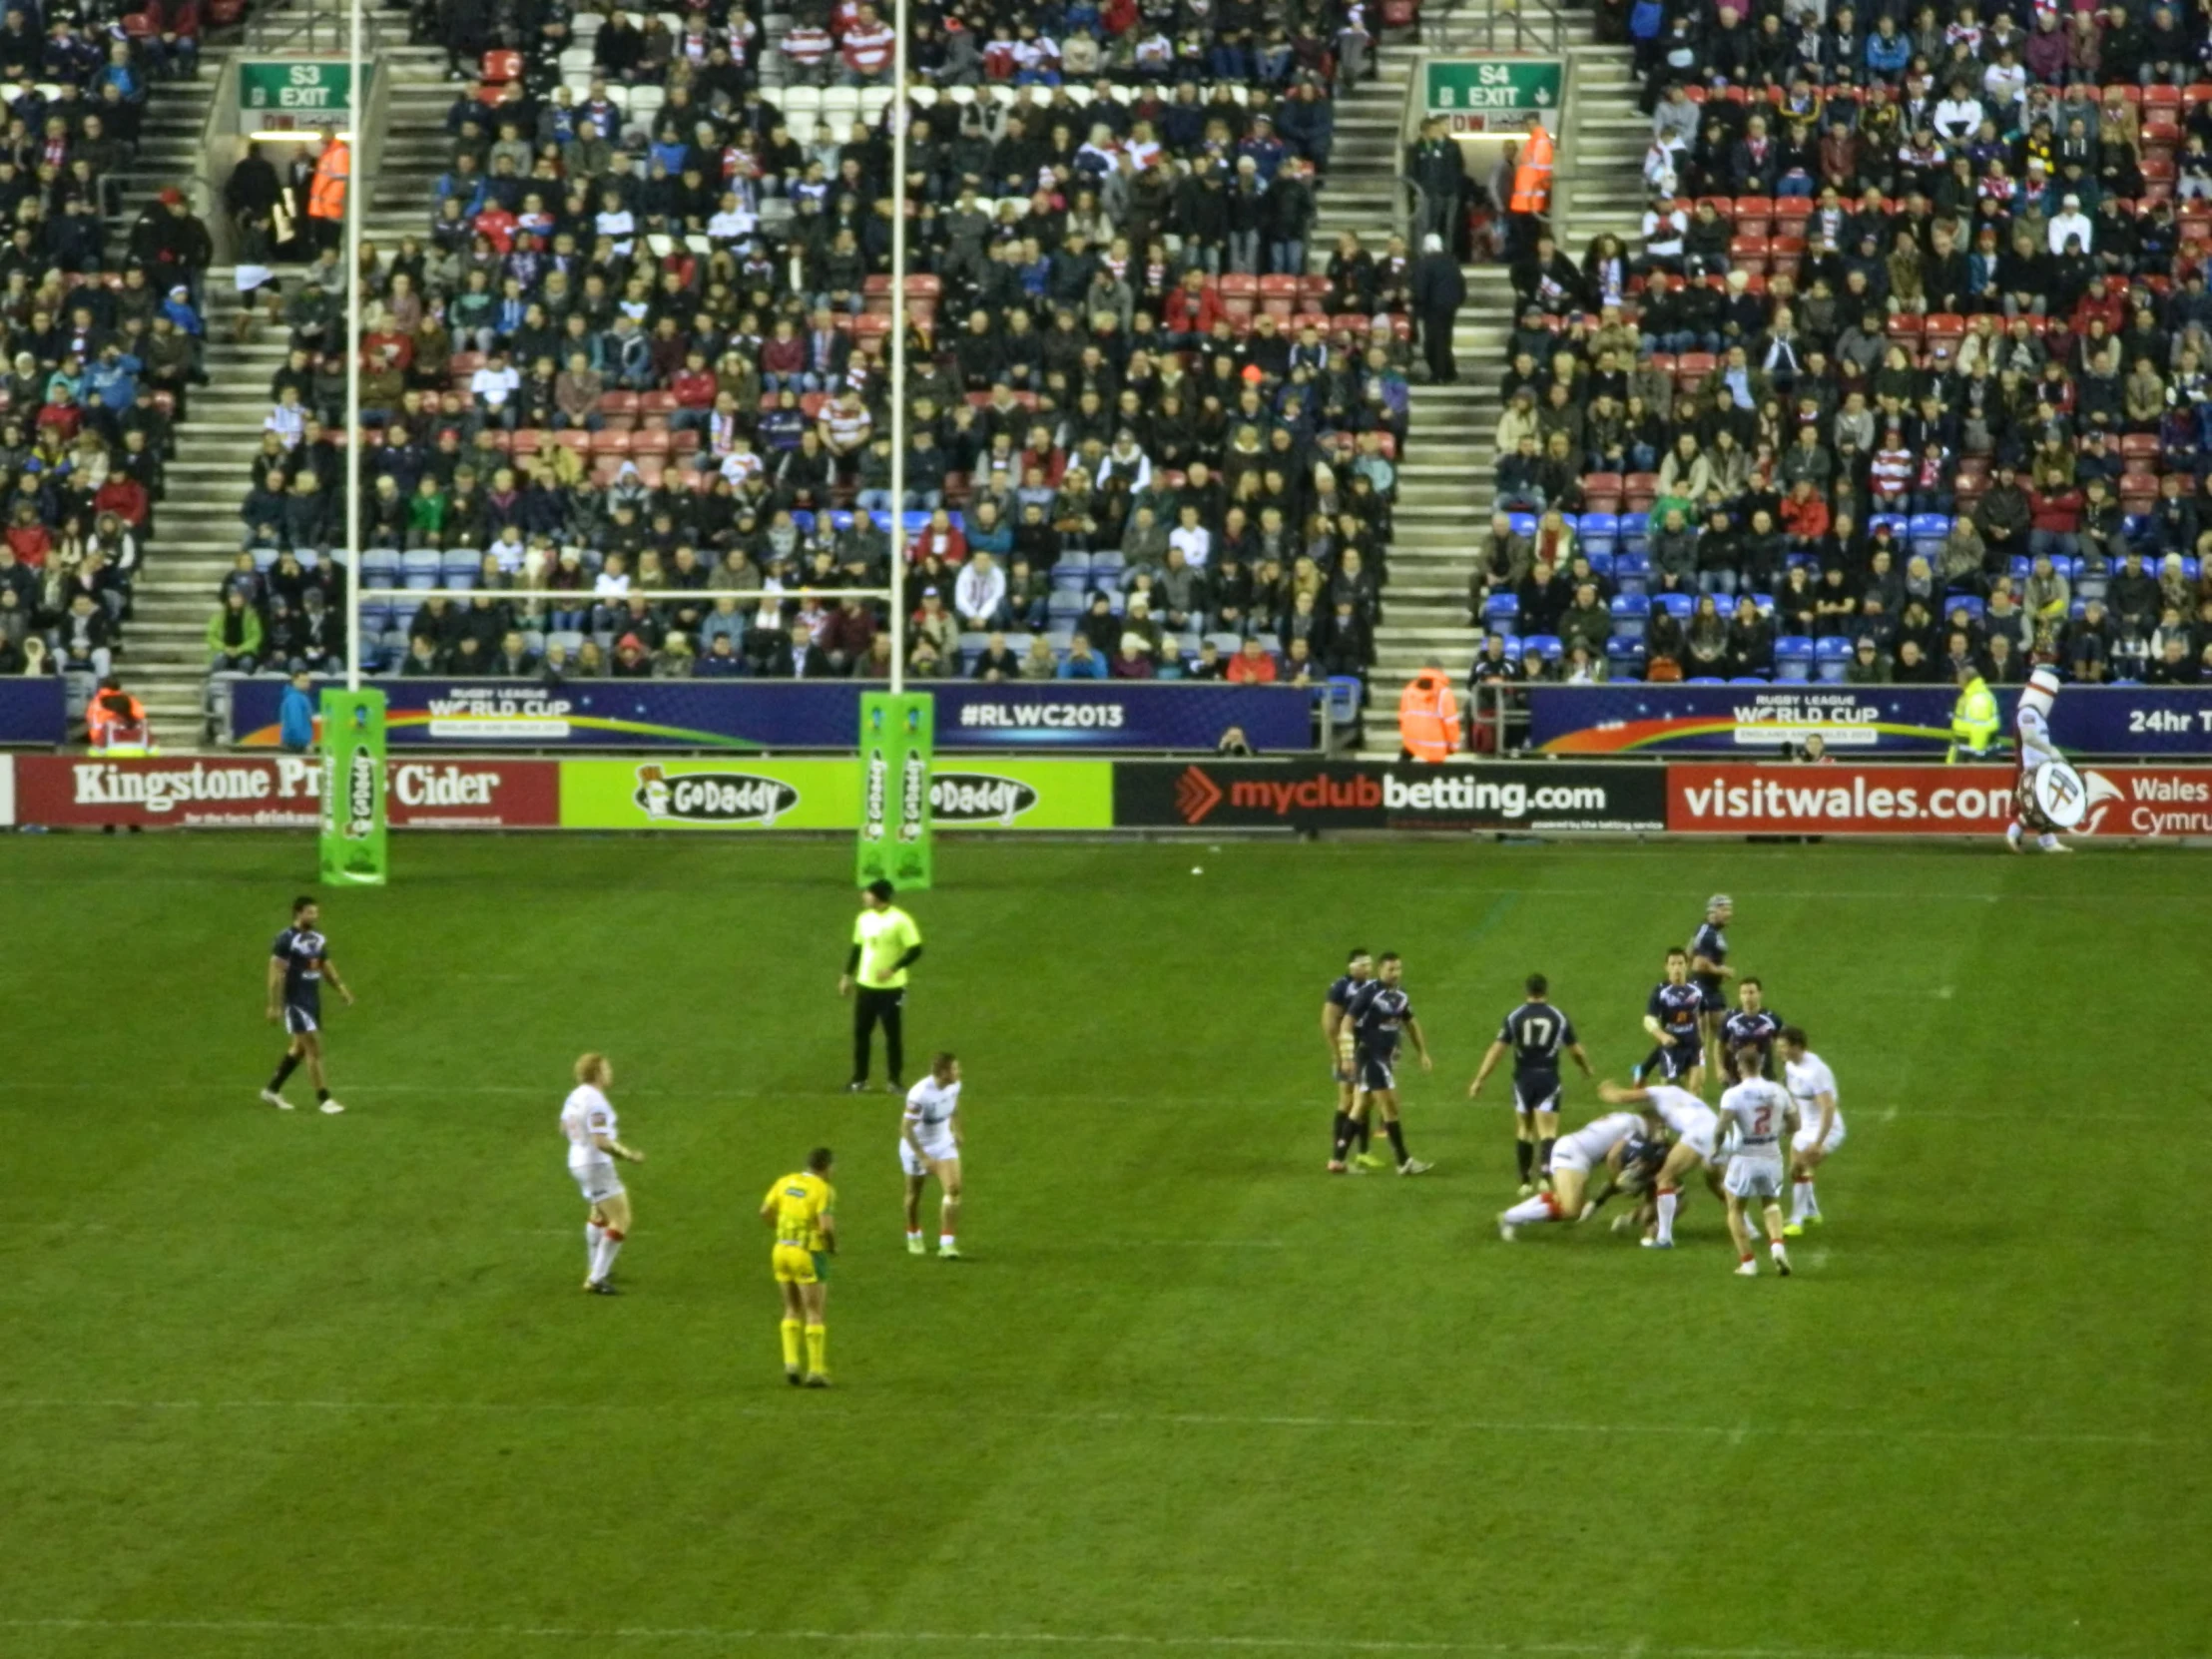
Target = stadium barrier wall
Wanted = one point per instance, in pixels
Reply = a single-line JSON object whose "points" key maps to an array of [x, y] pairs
{"points": [[1200, 796], [34, 711], [1642, 718], [807, 714]]}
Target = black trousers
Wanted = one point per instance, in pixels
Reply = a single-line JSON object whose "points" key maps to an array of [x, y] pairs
{"points": [[870, 1007], [1435, 339]]}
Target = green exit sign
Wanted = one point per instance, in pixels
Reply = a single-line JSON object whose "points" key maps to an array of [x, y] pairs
{"points": [[298, 92], [1480, 95]]}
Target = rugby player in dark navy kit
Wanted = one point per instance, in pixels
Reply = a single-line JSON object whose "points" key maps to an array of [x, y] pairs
{"points": [[1751, 1025], [1382, 1015], [1344, 1064], [1535, 1032], [1709, 966], [1673, 1016], [298, 962]]}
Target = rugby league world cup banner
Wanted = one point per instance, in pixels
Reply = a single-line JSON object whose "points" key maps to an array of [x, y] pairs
{"points": [[1057, 715], [1638, 718]]}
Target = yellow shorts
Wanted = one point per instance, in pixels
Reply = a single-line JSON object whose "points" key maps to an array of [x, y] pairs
{"points": [[794, 1264]]}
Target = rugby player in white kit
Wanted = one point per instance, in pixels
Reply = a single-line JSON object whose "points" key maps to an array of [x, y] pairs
{"points": [[1819, 1124], [1761, 1113], [929, 1144], [2032, 736], [1696, 1128], [588, 1120], [1573, 1157]]}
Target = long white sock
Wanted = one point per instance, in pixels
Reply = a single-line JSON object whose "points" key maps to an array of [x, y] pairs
{"points": [[604, 1253], [1668, 1199], [1539, 1208], [945, 1241], [1808, 1202], [593, 1233], [2049, 844]]}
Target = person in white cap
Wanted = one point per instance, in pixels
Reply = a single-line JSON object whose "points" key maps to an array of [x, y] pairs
{"points": [[2031, 734], [2070, 222], [1439, 289]]}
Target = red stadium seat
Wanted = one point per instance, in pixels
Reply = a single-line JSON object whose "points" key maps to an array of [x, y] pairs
{"points": [[1240, 297]]}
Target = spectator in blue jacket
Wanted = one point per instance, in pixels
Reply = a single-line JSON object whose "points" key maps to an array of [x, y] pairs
{"points": [[296, 715], [1082, 661]]}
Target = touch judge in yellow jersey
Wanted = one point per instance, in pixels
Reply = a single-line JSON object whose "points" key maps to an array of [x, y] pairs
{"points": [[800, 1208]]}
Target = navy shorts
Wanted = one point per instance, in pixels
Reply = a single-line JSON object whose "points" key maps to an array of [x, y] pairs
{"points": [[1536, 1091], [1676, 1061], [1379, 1072]]}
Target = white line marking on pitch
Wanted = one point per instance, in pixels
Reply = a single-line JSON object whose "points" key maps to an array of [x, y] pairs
{"points": [[971, 1412], [1888, 1115], [995, 1638]]}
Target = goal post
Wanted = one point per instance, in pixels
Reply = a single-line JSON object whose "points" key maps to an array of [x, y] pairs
{"points": [[897, 752]]}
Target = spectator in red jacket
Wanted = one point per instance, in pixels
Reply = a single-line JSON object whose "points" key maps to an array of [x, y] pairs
{"points": [[1251, 666]]}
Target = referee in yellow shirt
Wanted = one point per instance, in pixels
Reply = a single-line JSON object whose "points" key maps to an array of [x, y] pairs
{"points": [[886, 943]]}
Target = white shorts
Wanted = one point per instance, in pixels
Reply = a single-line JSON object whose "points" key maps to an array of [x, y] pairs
{"points": [[939, 1150], [597, 1180], [1565, 1156], [1753, 1177], [1702, 1145], [1803, 1141]]}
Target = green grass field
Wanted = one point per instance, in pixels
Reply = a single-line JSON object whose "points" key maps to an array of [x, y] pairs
{"points": [[288, 1385]]}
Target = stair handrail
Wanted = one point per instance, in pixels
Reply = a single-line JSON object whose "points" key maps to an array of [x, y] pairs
{"points": [[298, 25], [1530, 25]]}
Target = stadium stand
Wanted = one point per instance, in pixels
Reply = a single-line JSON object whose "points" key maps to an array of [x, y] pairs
{"points": [[633, 340], [101, 297], [1907, 369]]}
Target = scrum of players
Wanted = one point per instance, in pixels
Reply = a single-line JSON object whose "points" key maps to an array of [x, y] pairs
{"points": [[1776, 1120]]}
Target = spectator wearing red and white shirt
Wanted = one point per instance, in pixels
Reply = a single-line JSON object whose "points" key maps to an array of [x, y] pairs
{"points": [[1890, 478], [809, 46], [867, 49]]}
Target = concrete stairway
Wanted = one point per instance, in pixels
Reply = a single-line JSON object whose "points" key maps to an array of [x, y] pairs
{"points": [[198, 527], [172, 134], [1446, 482], [416, 145]]}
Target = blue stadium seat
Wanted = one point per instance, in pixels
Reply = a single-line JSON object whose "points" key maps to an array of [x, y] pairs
{"points": [[1705, 680], [1501, 610], [2021, 567], [1635, 531], [1763, 603], [265, 558], [1748, 679], [1071, 564], [1600, 533], [1633, 572], [1792, 657], [1624, 658], [1108, 569], [1928, 532], [458, 568], [1969, 603], [1831, 656], [1065, 605], [840, 521], [915, 523], [1631, 611], [1898, 524], [1548, 644], [423, 567], [380, 567], [1680, 606], [1602, 563], [803, 520], [1524, 524]]}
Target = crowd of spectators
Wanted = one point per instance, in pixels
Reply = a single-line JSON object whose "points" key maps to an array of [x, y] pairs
{"points": [[1908, 370], [100, 327], [640, 348]]}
